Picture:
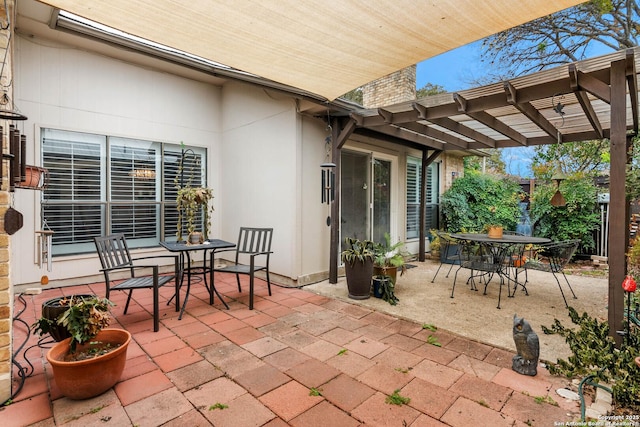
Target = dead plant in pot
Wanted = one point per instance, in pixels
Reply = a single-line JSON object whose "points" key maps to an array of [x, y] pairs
{"points": [[91, 361]]}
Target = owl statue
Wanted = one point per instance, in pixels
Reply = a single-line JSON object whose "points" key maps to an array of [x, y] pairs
{"points": [[527, 345]]}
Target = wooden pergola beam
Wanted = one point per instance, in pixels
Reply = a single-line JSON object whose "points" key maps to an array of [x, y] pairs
{"points": [[529, 111]]}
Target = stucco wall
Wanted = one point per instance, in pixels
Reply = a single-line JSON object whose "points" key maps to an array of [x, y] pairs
{"points": [[271, 177], [62, 87]]}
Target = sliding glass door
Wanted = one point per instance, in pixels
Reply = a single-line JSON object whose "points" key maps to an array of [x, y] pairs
{"points": [[366, 196]]}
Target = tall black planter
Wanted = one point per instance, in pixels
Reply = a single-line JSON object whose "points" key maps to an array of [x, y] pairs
{"points": [[359, 279], [51, 310]]}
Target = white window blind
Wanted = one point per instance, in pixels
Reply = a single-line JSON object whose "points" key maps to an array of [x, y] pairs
{"points": [[414, 179], [100, 185]]}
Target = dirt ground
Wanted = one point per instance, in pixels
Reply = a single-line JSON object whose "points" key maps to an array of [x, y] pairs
{"points": [[474, 315]]}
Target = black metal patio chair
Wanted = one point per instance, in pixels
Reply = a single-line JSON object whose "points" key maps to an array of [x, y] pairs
{"points": [[448, 252], [252, 243], [115, 257], [552, 258]]}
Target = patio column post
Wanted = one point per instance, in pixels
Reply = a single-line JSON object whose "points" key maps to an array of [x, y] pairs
{"points": [[619, 207]]}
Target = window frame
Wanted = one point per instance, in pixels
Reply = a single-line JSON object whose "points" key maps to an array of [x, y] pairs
{"points": [[136, 179]]}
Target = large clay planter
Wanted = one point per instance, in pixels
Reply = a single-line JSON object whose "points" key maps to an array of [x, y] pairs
{"points": [[51, 310], [91, 377], [638, 361], [359, 276]]}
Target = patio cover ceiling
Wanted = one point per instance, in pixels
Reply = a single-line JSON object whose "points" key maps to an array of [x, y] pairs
{"points": [[519, 112], [326, 48]]}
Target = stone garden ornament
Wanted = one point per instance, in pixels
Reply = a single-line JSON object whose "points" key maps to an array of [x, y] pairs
{"points": [[527, 345]]}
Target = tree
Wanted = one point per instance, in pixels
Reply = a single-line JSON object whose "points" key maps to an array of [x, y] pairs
{"points": [[590, 158], [564, 36], [429, 89], [492, 164]]}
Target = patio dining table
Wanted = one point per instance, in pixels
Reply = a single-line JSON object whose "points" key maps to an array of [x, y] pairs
{"points": [[486, 256], [185, 251]]}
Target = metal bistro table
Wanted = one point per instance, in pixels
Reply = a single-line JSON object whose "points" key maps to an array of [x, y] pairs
{"points": [[185, 261], [487, 256]]}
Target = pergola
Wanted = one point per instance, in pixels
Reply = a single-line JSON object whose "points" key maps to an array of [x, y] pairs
{"points": [[599, 99]]}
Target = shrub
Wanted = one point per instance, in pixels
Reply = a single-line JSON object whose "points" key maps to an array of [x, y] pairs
{"points": [[477, 200]]}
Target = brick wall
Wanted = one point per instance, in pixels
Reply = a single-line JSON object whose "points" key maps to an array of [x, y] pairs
{"points": [[391, 89], [6, 303]]}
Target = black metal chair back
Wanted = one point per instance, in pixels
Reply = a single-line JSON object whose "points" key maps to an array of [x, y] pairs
{"points": [[253, 244]]}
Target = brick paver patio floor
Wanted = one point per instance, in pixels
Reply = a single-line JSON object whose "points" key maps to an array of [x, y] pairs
{"points": [[298, 359]]}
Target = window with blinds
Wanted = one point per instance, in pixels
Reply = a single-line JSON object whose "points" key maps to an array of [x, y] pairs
{"points": [[101, 184], [414, 177]]}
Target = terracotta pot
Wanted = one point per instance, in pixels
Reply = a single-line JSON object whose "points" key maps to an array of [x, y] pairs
{"points": [[34, 177], [495, 232], [359, 279], [51, 310], [638, 361], [91, 377]]}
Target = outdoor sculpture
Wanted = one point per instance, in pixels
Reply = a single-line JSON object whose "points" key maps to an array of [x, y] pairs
{"points": [[528, 347]]}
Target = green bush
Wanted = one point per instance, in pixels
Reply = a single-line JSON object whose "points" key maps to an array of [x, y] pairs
{"points": [[577, 220], [477, 200]]}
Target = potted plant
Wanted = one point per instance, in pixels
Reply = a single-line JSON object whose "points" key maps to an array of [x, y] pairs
{"points": [[91, 361], [389, 258], [190, 202], [51, 311], [358, 259], [384, 287]]}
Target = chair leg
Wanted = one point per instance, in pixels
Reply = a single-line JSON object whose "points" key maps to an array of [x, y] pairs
{"points": [[251, 292], [156, 304], [569, 285], [268, 282], [238, 280], [560, 287], [126, 306]]}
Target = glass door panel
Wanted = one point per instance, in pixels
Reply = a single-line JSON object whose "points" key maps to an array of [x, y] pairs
{"points": [[381, 199], [354, 194]]}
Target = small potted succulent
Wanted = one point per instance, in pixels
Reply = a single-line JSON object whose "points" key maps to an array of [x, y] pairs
{"points": [[92, 359]]}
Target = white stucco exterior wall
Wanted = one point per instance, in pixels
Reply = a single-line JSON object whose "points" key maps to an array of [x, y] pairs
{"points": [[62, 87], [263, 156]]}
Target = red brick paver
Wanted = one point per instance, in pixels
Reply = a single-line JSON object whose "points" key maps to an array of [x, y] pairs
{"points": [[298, 359]]}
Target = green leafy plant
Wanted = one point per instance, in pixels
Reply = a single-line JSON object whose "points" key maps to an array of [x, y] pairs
{"points": [[358, 250], [477, 200], [343, 351], [396, 399], [576, 220], [190, 201], [387, 288], [433, 340], [595, 355], [390, 255], [84, 318], [429, 326]]}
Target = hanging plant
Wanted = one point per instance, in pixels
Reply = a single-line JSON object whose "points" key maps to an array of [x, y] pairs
{"points": [[190, 201]]}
